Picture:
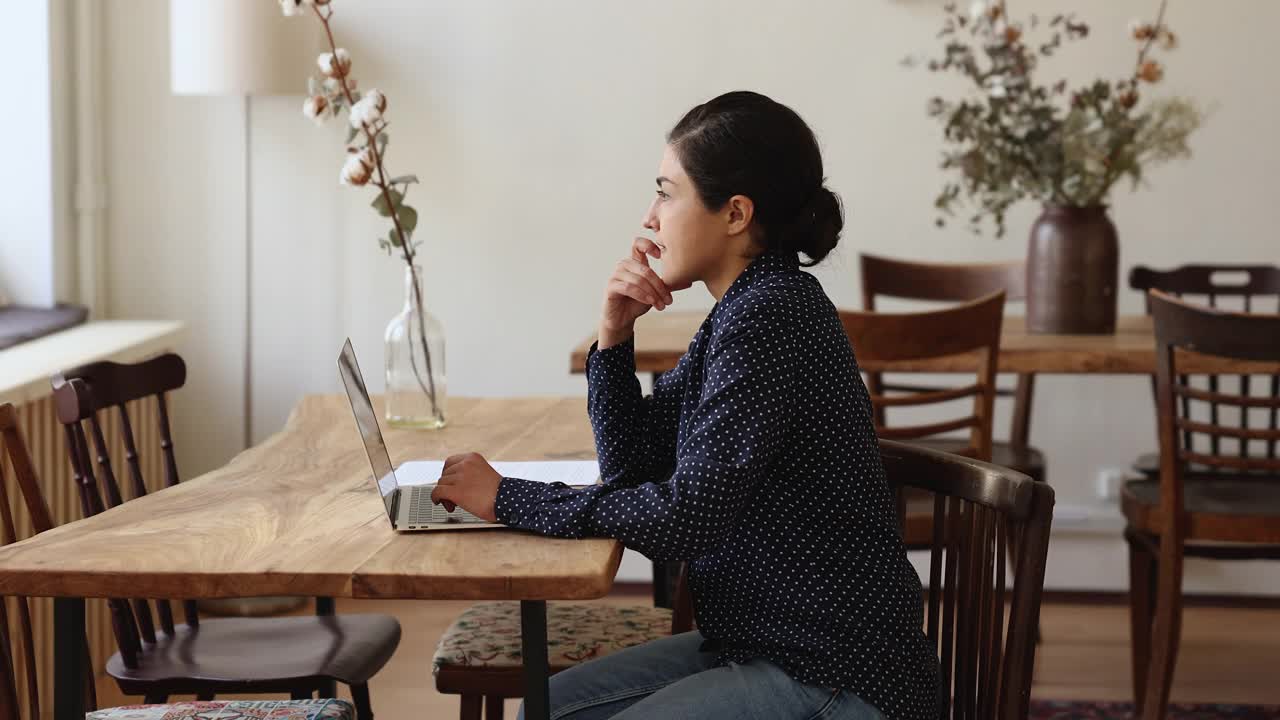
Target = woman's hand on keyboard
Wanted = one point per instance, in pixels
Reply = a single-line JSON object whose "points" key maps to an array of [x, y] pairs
{"points": [[470, 482]]}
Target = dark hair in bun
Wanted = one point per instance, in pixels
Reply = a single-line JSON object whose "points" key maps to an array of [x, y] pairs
{"points": [[743, 143]]}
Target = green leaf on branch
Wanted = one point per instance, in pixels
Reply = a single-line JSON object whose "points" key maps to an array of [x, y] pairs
{"points": [[380, 203], [395, 237], [351, 134], [404, 179], [408, 218]]}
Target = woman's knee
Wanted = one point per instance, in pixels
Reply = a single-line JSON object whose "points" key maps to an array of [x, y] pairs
{"points": [[600, 687]]}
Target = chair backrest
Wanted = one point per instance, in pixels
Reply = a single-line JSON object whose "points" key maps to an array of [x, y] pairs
{"points": [[1250, 284], [949, 282], [967, 328], [979, 508], [1180, 326], [945, 282], [18, 666], [1251, 288], [79, 396]]}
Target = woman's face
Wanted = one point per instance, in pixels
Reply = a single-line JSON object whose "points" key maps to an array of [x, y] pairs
{"points": [[693, 239]]}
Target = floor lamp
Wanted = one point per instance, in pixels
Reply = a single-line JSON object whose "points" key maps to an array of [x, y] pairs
{"points": [[242, 48]]}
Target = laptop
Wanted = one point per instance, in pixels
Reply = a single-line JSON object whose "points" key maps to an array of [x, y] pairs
{"points": [[408, 504]]}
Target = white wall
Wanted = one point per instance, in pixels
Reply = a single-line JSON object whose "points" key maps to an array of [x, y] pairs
{"points": [[536, 129], [63, 153], [175, 224], [27, 201]]}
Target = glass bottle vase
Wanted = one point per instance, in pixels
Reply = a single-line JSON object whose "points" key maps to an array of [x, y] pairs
{"points": [[415, 394]]}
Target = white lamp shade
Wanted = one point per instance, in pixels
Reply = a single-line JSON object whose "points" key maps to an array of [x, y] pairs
{"points": [[240, 47]]}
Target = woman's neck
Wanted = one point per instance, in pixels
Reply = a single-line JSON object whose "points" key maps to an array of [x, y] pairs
{"points": [[719, 284]]}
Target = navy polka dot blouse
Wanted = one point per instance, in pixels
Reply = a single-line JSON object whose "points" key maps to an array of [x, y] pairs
{"points": [[756, 460]]}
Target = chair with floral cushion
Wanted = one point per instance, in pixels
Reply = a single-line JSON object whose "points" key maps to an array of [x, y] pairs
{"points": [[19, 698], [231, 710], [479, 656]]}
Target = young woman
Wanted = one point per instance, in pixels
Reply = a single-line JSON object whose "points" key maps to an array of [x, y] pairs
{"points": [[755, 459]]}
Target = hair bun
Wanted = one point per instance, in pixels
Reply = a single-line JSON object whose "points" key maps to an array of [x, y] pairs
{"points": [[815, 230]]}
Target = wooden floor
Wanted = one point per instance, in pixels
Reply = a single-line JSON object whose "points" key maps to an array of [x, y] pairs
{"points": [[1228, 655]]}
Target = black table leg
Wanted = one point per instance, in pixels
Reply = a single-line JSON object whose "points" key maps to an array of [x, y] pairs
{"points": [[325, 606], [663, 587], [69, 660], [533, 639]]}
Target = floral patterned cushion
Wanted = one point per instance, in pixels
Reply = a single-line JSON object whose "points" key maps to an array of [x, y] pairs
{"points": [[232, 710], [488, 634]]}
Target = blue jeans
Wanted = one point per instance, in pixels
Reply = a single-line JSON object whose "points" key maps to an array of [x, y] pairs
{"points": [[671, 679]]}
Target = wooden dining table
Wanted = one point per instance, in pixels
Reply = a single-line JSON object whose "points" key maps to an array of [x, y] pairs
{"points": [[662, 337], [299, 514]]}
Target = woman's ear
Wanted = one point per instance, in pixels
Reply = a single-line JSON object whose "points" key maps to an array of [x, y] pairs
{"points": [[739, 211]]}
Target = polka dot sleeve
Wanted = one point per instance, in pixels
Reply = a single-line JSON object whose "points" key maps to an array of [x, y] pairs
{"points": [[734, 434], [635, 435]]}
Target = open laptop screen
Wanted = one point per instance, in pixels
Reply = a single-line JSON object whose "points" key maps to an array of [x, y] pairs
{"points": [[367, 422]]}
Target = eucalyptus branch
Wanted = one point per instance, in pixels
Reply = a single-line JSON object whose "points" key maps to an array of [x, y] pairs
{"points": [[1011, 138]]}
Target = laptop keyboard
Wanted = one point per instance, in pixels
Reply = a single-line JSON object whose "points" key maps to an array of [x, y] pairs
{"points": [[422, 511]]}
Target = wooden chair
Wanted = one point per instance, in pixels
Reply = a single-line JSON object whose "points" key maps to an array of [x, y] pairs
{"points": [[1230, 514], [1251, 288], [958, 282], [986, 668], [479, 656], [295, 655], [18, 660], [971, 327]]}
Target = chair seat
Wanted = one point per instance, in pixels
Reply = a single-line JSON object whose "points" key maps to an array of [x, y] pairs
{"points": [[1221, 508], [232, 710], [480, 652], [1149, 466], [1027, 460], [256, 653]]}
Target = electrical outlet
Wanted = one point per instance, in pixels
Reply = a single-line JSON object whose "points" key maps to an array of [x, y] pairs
{"points": [[1107, 483]]}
